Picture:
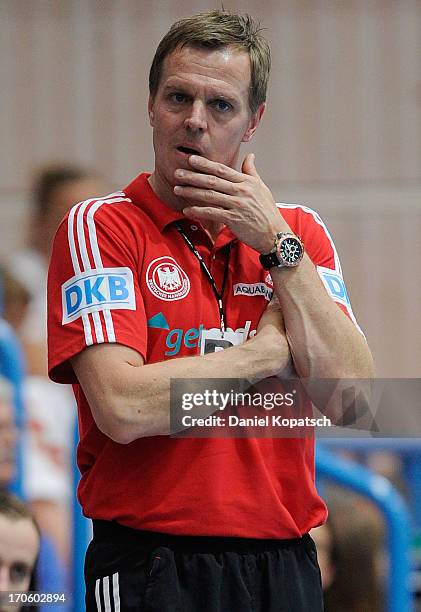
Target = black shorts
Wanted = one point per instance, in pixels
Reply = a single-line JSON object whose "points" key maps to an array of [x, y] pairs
{"points": [[131, 570]]}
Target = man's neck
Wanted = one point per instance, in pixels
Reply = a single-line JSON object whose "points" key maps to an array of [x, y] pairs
{"points": [[212, 228], [165, 193]]}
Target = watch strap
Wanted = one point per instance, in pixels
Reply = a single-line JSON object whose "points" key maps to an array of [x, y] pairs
{"points": [[270, 260]]}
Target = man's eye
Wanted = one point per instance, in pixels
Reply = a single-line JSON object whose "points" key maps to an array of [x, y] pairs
{"points": [[19, 572], [222, 106], [178, 98]]}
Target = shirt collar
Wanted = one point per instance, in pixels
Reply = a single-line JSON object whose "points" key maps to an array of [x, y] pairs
{"points": [[142, 195]]}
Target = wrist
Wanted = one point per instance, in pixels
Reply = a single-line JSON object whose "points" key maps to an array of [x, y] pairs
{"points": [[271, 237], [270, 244]]}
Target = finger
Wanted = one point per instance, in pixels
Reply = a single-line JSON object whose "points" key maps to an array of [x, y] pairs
{"points": [[202, 213], [205, 181], [248, 166], [211, 167], [208, 197]]}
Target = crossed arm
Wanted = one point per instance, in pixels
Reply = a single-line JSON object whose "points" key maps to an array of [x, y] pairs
{"points": [[130, 400]]}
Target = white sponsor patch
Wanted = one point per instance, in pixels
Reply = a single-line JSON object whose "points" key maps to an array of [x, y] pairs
{"points": [[334, 284], [167, 280], [212, 340], [253, 289], [96, 290]]}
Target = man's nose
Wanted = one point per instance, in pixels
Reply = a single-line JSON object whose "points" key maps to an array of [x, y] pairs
{"points": [[196, 119]]}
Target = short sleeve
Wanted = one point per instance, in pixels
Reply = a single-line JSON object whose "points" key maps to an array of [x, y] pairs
{"points": [[319, 246], [93, 289]]}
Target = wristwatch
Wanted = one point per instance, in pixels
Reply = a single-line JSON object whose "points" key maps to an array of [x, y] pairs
{"points": [[287, 252]]}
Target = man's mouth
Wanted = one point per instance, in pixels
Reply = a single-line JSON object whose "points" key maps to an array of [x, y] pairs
{"points": [[188, 151]]}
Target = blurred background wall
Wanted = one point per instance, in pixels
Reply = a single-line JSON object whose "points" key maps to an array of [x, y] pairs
{"points": [[342, 132]]}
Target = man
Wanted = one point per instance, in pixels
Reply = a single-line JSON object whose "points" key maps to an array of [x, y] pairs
{"points": [[141, 283], [54, 190], [19, 547]]}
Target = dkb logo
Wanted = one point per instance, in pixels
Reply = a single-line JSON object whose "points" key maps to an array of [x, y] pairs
{"points": [[95, 290]]}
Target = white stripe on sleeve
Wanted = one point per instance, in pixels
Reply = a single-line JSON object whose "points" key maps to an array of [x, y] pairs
{"points": [[93, 240], [79, 210], [75, 261], [320, 222]]}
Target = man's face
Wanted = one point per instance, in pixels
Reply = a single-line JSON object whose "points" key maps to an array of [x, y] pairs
{"points": [[202, 106], [19, 544]]}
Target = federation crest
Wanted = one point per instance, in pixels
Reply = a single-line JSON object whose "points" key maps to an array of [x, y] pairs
{"points": [[167, 280]]}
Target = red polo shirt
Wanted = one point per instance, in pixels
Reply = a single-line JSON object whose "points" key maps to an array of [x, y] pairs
{"points": [[121, 272]]}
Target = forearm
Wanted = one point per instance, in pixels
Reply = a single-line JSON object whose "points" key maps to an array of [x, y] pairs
{"points": [[324, 342], [135, 401]]}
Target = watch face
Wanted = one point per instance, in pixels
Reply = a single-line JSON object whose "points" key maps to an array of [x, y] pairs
{"points": [[290, 251]]}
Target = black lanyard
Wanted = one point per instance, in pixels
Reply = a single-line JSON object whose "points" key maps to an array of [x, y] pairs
{"points": [[208, 274]]}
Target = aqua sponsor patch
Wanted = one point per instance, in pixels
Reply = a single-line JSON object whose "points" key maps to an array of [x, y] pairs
{"points": [[96, 290], [334, 284]]}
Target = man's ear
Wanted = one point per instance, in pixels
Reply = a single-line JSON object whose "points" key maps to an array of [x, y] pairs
{"points": [[254, 123], [150, 110]]}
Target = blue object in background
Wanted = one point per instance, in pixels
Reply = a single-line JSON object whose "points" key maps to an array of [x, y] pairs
{"points": [[408, 449], [82, 534], [52, 577], [398, 525], [13, 369]]}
